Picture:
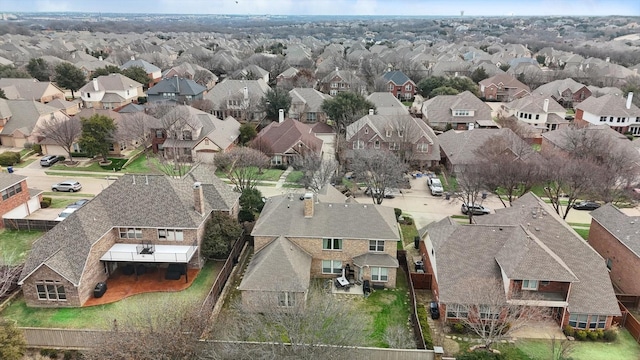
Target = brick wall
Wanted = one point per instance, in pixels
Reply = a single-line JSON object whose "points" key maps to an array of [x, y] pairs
{"points": [[626, 265], [30, 292], [14, 201]]}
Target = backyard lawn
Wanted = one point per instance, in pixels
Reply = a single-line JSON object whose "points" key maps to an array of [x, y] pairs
{"points": [[409, 232], [102, 316], [266, 175], [17, 242]]}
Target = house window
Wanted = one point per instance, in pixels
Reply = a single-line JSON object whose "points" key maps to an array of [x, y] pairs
{"points": [[159, 134], [342, 85], [331, 244], [333, 92], [408, 88], [334, 85], [376, 245], [186, 135], [366, 130], [578, 321], [11, 190], [206, 141], [130, 233], [51, 290], [391, 87], [638, 119], [379, 274], [233, 102], [286, 299], [611, 119], [609, 264], [393, 146], [400, 132], [457, 311], [537, 116], [312, 117], [422, 147], [331, 267], [358, 144], [376, 144], [276, 160], [388, 133], [89, 95], [529, 284], [170, 235], [602, 322], [487, 312], [461, 113], [603, 118]]}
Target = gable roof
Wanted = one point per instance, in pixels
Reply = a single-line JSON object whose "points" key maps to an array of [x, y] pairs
{"points": [[312, 98], [222, 133], [506, 80], [555, 88], [228, 89], [609, 105], [25, 115], [283, 215], [281, 265], [387, 104], [282, 137], [7, 180], [623, 227], [111, 82], [396, 77], [441, 108], [148, 67], [28, 89], [177, 85], [155, 201]]}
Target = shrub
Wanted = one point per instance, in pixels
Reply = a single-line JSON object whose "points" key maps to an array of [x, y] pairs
{"points": [[246, 215], [610, 335], [45, 203], [398, 212], [458, 328], [9, 158], [480, 354], [569, 331], [37, 148], [280, 167], [61, 158], [424, 324], [80, 154], [581, 335], [600, 334], [51, 353], [592, 335], [28, 145]]}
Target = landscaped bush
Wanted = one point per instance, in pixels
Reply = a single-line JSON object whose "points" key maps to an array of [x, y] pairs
{"points": [[610, 335], [592, 335], [569, 331], [80, 154], [480, 355], [61, 158], [37, 148], [424, 324], [398, 212], [116, 164], [279, 167], [581, 335], [51, 353], [599, 334], [45, 203], [9, 158], [458, 328]]}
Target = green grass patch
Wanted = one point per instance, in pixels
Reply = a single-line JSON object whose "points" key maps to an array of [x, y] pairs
{"points": [[624, 348], [77, 174], [409, 232], [294, 177], [26, 152], [101, 316], [289, 185], [24, 163], [116, 164], [449, 183], [61, 203], [584, 233], [579, 225], [386, 308], [17, 243], [536, 147], [58, 194], [141, 165]]}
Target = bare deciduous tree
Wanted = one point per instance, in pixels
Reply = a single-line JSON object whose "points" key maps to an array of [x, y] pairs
{"points": [[470, 186], [381, 170], [490, 315], [318, 172], [136, 127], [63, 131], [243, 166], [9, 272]]}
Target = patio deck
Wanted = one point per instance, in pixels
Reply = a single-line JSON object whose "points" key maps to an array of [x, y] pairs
{"points": [[120, 286]]}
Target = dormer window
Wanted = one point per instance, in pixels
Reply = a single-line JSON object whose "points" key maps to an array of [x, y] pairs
{"points": [[400, 132], [186, 135], [388, 133]]}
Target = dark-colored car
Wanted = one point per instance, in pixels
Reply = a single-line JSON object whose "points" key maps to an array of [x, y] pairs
{"points": [[48, 160], [475, 209], [586, 205], [78, 204], [434, 310]]}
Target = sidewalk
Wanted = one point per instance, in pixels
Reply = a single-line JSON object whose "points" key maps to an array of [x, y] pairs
{"points": [[283, 177]]}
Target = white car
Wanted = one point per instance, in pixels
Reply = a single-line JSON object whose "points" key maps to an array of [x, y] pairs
{"points": [[65, 213], [435, 186]]}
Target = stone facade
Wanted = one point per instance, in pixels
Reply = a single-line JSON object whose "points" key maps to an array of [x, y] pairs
{"points": [[44, 273]]}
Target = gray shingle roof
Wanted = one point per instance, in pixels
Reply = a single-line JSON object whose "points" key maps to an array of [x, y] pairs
{"points": [[387, 104], [625, 228], [535, 104], [25, 115], [609, 105], [228, 89], [505, 80], [28, 89], [177, 85], [312, 98], [372, 259], [283, 215], [279, 266], [7, 180], [439, 109], [148, 67], [154, 201], [111, 82], [555, 88], [396, 77]]}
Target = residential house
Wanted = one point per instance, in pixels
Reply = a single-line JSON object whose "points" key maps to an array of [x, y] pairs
{"points": [[19, 121], [460, 112], [400, 85], [543, 113], [180, 90], [288, 139], [410, 138], [614, 235], [306, 105], [30, 89], [188, 71], [461, 148], [503, 87], [70, 108], [192, 135], [621, 114], [387, 104], [18, 201], [342, 80], [111, 91], [300, 237], [252, 72], [158, 221], [240, 99], [116, 148], [533, 253], [153, 72], [567, 92], [286, 75]]}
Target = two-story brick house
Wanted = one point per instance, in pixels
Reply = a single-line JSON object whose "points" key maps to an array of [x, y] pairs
{"points": [[111, 91], [176, 89], [299, 237], [342, 80], [461, 112], [542, 113], [139, 219], [567, 92], [306, 105], [614, 235], [536, 257], [17, 199], [411, 138], [503, 87], [618, 112], [400, 85]]}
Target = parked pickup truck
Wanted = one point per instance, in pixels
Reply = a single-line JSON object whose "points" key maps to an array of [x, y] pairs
{"points": [[435, 186]]}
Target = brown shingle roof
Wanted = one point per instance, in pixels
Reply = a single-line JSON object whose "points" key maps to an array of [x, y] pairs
{"points": [[625, 228], [284, 137]]}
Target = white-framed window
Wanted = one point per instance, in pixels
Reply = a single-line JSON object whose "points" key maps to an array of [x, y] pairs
{"points": [[187, 135], [358, 144], [11, 191], [488, 312], [529, 284], [461, 113], [537, 116], [159, 134], [334, 85], [343, 85], [376, 144], [393, 146], [331, 267], [597, 322], [130, 233], [578, 321], [333, 92], [400, 132], [376, 245], [457, 311], [276, 160], [233, 102], [609, 263], [408, 87], [286, 299], [366, 130], [603, 118], [51, 290], [312, 117], [379, 274], [170, 234], [422, 147], [331, 244], [391, 87], [388, 133]]}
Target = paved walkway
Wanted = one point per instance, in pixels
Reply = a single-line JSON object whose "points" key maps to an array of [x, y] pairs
{"points": [[283, 177]]}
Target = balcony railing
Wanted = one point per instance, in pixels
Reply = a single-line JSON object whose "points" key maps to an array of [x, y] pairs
{"points": [[159, 253]]}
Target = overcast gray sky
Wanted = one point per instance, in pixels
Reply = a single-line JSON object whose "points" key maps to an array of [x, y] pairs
{"points": [[334, 7]]}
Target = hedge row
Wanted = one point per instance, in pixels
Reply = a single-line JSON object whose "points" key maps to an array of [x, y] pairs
{"points": [[424, 324], [592, 335]]}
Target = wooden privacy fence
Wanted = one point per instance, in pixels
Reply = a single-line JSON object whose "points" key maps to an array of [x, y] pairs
{"points": [[61, 338], [221, 280], [29, 224], [417, 329], [421, 280], [629, 322]]}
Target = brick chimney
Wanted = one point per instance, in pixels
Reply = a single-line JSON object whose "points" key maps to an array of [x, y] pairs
{"points": [[198, 198], [308, 205]]}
